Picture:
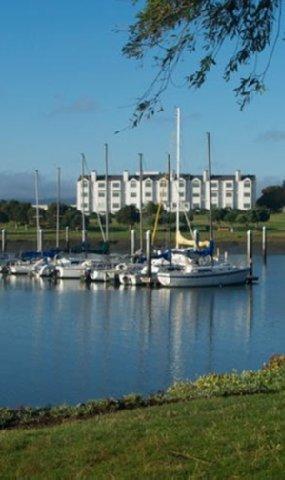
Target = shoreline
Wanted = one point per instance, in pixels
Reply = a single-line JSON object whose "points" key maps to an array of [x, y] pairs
{"points": [[122, 246], [269, 378]]}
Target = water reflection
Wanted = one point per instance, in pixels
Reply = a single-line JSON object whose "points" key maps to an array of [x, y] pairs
{"points": [[66, 341]]}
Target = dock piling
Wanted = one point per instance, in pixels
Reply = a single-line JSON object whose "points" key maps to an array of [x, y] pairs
{"points": [[67, 238], [264, 244], [249, 251], [3, 240], [40, 240], [148, 253], [132, 243]]}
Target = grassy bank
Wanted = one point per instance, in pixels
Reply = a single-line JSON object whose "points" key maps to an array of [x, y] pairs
{"points": [[221, 426], [21, 238]]}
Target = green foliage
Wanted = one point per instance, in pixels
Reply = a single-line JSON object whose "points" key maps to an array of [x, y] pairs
{"points": [[272, 198], [127, 215], [15, 211], [52, 212], [176, 30]]}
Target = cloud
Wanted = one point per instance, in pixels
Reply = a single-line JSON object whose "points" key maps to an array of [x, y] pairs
{"points": [[272, 136], [20, 186], [79, 105]]}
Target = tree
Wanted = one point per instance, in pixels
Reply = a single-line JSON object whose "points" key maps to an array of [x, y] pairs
{"points": [[263, 215], [218, 214], [231, 216], [273, 198], [52, 212], [3, 217], [73, 218], [176, 29], [150, 209], [128, 214]]}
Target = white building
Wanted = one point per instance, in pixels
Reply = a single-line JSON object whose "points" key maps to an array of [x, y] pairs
{"points": [[227, 191]]}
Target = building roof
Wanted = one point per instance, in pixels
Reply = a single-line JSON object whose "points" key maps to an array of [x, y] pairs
{"points": [[158, 176]]}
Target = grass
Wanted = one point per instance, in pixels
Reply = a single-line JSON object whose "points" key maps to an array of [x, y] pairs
{"points": [[121, 235], [222, 433]]}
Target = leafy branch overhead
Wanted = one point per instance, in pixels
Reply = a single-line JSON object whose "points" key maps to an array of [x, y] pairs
{"points": [[182, 29]]}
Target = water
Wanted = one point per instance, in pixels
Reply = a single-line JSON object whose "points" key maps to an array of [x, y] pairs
{"points": [[70, 343]]}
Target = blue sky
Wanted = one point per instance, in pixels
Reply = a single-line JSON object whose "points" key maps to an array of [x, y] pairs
{"points": [[65, 88]]}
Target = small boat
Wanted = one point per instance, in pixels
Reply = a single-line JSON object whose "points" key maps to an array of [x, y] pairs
{"points": [[21, 268], [106, 273], [73, 269]]}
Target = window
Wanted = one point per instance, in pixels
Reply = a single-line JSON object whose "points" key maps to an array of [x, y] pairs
{"points": [[174, 205], [133, 194], [116, 185], [133, 184], [163, 194], [246, 194], [229, 184], [246, 206], [247, 184], [148, 183], [195, 194], [181, 183], [196, 205], [101, 194], [85, 194], [101, 184], [181, 194], [116, 194], [163, 183], [214, 184], [229, 194], [195, 183], [148, 194], [214, 194], [115, 205]]}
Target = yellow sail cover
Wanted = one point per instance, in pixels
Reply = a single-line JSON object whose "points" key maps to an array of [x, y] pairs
{"points": [[180, 240]]}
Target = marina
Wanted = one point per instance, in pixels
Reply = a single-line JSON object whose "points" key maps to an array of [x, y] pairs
{"points": [[69, 341]]}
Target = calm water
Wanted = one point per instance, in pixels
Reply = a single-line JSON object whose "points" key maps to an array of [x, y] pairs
{"points": [[69, 343]]}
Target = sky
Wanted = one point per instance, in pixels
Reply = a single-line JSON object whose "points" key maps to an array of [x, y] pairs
{"points": [[65, 88]]}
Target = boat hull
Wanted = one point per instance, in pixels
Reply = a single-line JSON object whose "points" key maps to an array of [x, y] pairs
{"points": [[69, 272], [172, 279]]}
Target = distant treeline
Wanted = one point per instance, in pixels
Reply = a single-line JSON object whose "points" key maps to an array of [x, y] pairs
{"points": [[22, 213]]}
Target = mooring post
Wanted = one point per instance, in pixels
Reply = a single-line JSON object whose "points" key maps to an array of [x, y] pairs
{"points": [[40, 240], [226, 256], [3, 240], [67, 238], [148, 253], [249, 251], [132, 244], [218, 253], [196, 238], [264, 244]]}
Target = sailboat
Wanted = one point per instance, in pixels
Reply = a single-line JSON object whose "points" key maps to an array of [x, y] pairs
{"points": [[199, 269]]}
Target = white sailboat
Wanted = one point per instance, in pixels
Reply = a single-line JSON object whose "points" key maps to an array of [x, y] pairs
{"points": [[191, 273]]}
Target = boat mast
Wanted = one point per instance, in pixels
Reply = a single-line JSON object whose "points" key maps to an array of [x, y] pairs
{"points": [[83, 238], [37, 209], [210, 184], [58, 207], [169, 200], [177, 172], [141, 202], [107, 190]]}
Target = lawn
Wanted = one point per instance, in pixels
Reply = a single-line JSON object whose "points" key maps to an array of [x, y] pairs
{"points": [[214, 428], [218, 438], [26, 238]]}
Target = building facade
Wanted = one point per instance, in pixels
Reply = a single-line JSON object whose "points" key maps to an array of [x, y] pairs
{"points": [[235, 191]]}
